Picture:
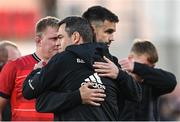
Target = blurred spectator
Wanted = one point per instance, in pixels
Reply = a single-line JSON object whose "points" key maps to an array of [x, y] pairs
{"points": [[12, 50], [8, 51], [154, 82], [3, 56]]}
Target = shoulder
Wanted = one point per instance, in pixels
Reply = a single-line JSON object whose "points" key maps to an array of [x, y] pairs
{"points": [[10, 65], [64, 56], [26, 59], [20, 63]]}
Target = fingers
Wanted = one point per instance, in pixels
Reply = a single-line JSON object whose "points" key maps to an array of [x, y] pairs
{"points": [[104, 75], [98, 91], [107, 60], [101, 65], [127, 64], [108, 69], [94, 103], [122, 61], [99, 95], [102, 71], [97, 99], [124, 66], [92, 96], [87, 84]]}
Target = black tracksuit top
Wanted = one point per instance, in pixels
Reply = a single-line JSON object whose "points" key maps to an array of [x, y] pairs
{"points": [[157, 82], [56, 86]]}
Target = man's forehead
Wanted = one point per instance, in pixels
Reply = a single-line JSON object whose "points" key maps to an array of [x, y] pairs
{"points": [[61, 29], [52, 34], [51, 30], [105, 26], [109, 25]]}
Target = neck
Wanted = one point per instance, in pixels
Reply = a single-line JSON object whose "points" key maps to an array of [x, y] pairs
{"points": [[41, 56]]}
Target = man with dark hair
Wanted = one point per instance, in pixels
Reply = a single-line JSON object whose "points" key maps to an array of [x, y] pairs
{"points": [[154, 81], [130, 88], [57, 77], [103, 22], [14, 72]]}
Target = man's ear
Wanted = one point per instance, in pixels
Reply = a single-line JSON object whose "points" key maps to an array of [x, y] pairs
{"points": [[93, 26], [38, 39], [76, 37]]}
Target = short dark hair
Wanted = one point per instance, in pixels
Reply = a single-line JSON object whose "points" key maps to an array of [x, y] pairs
{"points": [[145, 47], [80, 25], [45, 22], [99, 13]]}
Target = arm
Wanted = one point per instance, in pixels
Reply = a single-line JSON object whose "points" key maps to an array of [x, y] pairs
{"points": [[52, 101], [162, 81], [3, 102], [7, 78], [41, 80], [131, 89], [31, 87]]}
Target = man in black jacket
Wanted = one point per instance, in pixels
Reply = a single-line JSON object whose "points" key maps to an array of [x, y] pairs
{"points": [[103, 22], [154, 82], [57, 77]]}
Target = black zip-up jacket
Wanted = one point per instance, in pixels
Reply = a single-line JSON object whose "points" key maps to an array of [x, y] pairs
{"points": [[157, 82], [56, 86]]}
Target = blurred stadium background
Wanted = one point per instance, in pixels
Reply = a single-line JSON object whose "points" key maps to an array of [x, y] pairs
{"points": [[155, 20]]}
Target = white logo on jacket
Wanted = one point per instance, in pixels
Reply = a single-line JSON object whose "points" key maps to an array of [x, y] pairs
{"points": [[80, 61], [95, 80], [30, 81]]}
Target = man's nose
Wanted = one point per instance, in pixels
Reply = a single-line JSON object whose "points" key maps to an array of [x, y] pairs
{"points": [[58, 42], [111, 37]]}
